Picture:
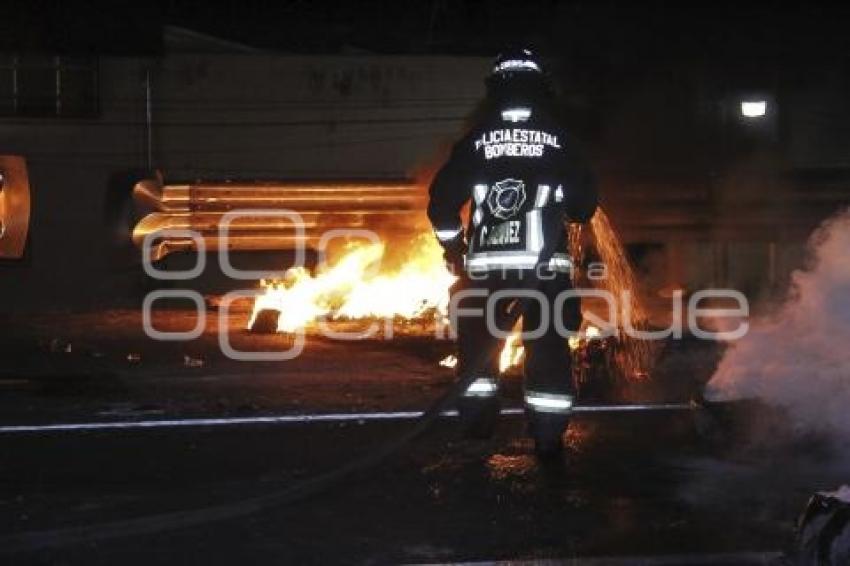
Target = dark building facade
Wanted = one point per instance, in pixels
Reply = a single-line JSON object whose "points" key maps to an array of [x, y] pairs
{"points": [[713, 177]]}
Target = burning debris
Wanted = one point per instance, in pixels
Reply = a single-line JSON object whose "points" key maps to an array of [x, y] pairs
{"points": [[512, 354], [364, 281], [361, 284]]}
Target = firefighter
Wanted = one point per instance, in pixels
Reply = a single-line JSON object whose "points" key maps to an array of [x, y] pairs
{"points": [[524, 177]]}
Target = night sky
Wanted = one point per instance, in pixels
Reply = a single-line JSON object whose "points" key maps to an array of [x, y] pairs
{"points": [[592, 33]]}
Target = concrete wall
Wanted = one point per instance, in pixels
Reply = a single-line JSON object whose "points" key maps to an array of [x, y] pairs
{"points": [[217, 116], [221, 116], [308, 116]]}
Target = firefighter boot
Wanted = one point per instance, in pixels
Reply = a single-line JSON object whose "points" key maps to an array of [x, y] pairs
{"points": [[478, 416], [547, 430]]}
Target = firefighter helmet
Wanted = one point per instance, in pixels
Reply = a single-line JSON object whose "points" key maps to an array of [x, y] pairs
{"points": [[516, 62], [517, 71]]}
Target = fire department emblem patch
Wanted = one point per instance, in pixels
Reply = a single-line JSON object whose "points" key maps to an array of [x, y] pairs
{"points": [[506, 197]]}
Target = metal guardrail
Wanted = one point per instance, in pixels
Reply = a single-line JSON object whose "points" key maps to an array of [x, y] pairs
{"points": [[381, 206]]}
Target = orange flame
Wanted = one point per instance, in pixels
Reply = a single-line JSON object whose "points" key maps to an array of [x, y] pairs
{"points": [[360, 283]]}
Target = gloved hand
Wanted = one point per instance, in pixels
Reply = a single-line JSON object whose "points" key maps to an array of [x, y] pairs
{"points": [[453, 253], [454, 261]]}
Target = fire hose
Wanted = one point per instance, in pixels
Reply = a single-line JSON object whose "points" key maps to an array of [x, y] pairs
{"points": [[155, 523], [151, 524]]}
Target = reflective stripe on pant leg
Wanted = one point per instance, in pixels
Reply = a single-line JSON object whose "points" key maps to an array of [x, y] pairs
{"points": [[482, 387], [549, 402]]}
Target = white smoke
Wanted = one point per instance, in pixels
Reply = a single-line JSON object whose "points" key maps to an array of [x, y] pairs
{"points": [[799, 358]]}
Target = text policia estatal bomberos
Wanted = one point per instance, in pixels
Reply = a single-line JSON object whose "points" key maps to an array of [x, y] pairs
{"points": [[515, 142]]}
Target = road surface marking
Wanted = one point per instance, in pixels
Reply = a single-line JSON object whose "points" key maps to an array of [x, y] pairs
{"points": [[304, 418]]}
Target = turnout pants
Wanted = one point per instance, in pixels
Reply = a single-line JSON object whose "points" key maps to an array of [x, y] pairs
{"points": [[548, 386]]}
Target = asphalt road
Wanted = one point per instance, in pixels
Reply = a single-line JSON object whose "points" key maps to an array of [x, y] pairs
{"points": [[631, 485]]}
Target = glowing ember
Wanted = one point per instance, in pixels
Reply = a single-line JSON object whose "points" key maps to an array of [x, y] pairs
{"points": [[592, 332], [635, 357]]}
